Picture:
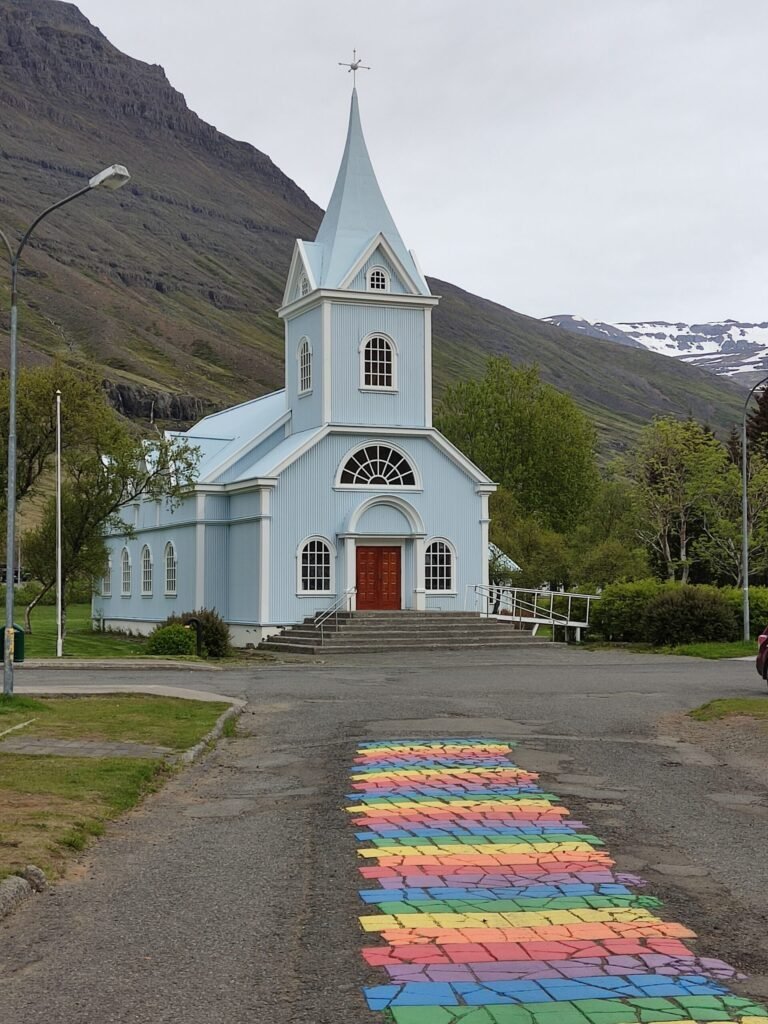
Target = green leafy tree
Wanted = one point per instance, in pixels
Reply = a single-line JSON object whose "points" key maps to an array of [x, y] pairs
{"points": [[82, 408], [527, 436], [674, 466], [719, 547], [109, 468], [757, 422]]}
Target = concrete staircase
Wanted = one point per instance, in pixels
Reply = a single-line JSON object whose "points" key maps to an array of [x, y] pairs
{"points": [[369, 632]]}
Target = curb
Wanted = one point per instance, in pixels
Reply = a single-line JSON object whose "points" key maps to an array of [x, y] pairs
{"points": [[188, 756], [17, 888], [132, 664]]}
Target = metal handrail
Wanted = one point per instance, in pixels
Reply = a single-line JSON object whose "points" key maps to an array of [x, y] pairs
{"points": [[535, 607], [333, 611]]}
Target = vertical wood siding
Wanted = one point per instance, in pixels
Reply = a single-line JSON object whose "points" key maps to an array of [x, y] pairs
{"points": [[307, 410], [350, 323]]}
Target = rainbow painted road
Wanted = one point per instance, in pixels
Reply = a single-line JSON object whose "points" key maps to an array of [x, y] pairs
{"points": [[492, 906]]}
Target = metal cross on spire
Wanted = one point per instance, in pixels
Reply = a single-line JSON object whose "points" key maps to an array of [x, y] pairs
{"points": [[354, 67]]}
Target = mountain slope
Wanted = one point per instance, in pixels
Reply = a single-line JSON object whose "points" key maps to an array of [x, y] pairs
{"points": [[170, 285], [728, 348]]}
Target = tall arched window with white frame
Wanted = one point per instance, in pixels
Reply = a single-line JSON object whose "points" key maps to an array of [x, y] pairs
{"points": [[106, 579], [146, 571], [378, 280], [439, 567], [125, 573], [378, 364], [315, 567], [305, 366], [170, 570]]}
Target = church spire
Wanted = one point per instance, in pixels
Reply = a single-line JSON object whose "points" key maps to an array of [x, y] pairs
{"points": [[357, 213]]}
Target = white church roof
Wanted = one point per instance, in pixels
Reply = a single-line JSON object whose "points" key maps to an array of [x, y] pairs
{"points": [[356, 214]]}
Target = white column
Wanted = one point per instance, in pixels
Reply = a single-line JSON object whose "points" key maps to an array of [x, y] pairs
{"points": [[350, 554], [199, 551], [485, 522], [327, 395], [428, 366], [265, 555], [420, 590]]}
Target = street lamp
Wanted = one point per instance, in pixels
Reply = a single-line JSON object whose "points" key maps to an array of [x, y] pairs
{"points": [[112, 178], [745, 510]]}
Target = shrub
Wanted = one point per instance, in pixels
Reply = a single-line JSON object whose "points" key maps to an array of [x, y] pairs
{"points": [[620, 612], [758, 608], [174, 639], [215, 631], [686, 614]]}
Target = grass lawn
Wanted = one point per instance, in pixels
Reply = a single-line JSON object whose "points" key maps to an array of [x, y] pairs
{"points": [[50, 806], [737, 649], [159, 721], [81, 641], [754, 707]]}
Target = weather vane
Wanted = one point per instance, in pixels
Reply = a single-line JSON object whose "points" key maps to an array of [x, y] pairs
{"points": [[354, 67]]}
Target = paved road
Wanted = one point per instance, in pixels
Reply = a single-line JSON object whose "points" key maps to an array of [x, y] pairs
{"points": [[230, 896]]}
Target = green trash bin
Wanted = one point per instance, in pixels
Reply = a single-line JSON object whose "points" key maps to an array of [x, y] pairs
{"points": [[18, 644]]}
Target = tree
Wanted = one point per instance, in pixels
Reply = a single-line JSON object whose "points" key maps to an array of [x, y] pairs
{"points": [[757, 422], [82, 408], [674, 466], [105, 468], [527, 436], [719, 548]]}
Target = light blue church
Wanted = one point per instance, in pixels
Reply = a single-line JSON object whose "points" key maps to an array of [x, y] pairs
{"points": [[337, 488]]}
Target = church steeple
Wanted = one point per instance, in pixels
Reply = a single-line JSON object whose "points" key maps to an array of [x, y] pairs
{"points": [[357, 214]]}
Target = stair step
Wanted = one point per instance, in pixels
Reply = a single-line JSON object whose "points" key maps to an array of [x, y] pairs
{"points": [[373, 648]]}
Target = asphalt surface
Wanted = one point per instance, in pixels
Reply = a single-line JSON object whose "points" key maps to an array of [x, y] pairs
{"points": [[231, 895]]}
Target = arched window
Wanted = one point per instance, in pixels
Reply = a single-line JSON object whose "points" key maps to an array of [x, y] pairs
{"points": [[146, 570], [378, 465], [106, 579], [303, 286], [438, 566], [305, 366], [378, 369], [315, 567], [125, 573], [170, 569], [378, 280]]}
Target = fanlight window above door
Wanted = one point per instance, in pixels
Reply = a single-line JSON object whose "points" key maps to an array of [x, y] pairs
{"points": [[378, 465]]}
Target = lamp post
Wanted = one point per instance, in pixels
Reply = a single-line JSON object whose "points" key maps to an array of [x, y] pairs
{"points": [[112, 178], [745, 510]]}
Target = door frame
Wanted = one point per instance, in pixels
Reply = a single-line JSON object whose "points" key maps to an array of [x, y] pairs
{"points": [[376, 541]]}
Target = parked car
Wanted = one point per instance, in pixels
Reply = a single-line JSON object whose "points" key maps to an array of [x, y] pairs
{"points": [[761, 662]]}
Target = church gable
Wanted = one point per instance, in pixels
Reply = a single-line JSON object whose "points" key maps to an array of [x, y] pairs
{"points": [[304, 272], [388, 278]]}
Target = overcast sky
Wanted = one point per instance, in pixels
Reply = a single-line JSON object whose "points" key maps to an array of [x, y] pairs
{"points": [[606, 158]]}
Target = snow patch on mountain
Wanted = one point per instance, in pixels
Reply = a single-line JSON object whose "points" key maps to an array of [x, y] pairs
{"points": [[730, 348]]}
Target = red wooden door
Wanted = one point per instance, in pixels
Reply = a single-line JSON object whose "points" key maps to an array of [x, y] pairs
{"points": [[378, 578]]}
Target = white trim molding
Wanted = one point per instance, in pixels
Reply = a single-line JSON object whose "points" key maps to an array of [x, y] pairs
{"points": [[411, 514], [380, 242]]}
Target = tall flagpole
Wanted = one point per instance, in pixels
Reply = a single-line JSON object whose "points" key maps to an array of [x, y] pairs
{"points": [[59, 638]]}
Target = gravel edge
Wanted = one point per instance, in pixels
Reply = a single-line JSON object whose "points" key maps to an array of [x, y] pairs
{"points": [[188, 756]]}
